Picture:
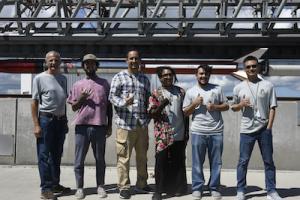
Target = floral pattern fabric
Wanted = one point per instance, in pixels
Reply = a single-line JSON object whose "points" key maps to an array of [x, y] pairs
{"points": [[163, 131]]}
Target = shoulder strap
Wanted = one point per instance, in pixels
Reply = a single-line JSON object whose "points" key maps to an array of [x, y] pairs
{"points": [[182, 92]]}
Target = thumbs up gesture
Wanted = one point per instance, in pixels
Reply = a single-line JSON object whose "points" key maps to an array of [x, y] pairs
{"points": [[198, 101]]}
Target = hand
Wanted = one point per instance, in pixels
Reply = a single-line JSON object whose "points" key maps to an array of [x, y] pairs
{"points": [[129, 99], [165, 102], [109, 131], [198, 101], [85, 93], [245, 102], [37, 131], [210, 106]]}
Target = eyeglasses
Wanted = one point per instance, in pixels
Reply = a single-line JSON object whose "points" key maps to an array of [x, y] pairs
{"points": [[251, 66]]}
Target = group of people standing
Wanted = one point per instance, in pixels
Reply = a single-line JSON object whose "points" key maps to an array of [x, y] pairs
{"points": [[92, 98]]}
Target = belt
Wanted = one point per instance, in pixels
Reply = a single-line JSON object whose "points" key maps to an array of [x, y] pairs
{"points": [[51, 115]]}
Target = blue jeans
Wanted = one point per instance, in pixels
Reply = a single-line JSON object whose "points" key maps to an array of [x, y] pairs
{"points": [[84, 136], [49, 151], [214, 145], [265, 143]]}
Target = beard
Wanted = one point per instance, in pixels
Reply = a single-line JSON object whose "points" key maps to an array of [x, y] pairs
{"points": [[90, 73], [202, 82]]}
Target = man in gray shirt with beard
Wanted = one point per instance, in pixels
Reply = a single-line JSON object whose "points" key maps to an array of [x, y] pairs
{"points": [[256, 99], [205, 102]]}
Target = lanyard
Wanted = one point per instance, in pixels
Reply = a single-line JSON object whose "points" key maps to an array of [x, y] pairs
{"points": [[254, 96]]}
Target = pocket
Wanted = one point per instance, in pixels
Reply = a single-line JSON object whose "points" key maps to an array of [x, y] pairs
{"points": [[121, 142], [65, 126], [268, 131], [45, 121], [267, 137]]}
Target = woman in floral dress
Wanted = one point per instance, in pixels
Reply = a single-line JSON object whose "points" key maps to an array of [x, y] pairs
{"points": [[171, 135]]}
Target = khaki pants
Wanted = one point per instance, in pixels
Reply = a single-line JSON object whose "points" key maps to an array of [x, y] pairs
{"points": [[126, 140]]}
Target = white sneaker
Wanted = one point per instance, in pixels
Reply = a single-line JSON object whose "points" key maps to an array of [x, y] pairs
{"points": [[240, 196], [197, 195], [101, 192], [273, 196], [79, 193], [216, 195]]}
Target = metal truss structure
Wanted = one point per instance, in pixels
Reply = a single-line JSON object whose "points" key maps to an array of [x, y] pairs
{"points": [[159, 29], [149, 18]]}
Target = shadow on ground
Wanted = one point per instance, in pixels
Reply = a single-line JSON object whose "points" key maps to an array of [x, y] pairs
{"points": [[252, 191]]}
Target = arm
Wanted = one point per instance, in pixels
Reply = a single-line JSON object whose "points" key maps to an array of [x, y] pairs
{"points": [[222, 104], [271, 118], [81, 100], [34, 113], [114, 94], [238, 106], [155, 111], [220, 107], [109, 119], [195, 103]]}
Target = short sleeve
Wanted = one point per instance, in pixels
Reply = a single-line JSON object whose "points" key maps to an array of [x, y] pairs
{"points": [[35, 89], [187, 100]]}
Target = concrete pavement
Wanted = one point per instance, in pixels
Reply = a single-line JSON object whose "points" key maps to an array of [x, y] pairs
{"points": [[22, 183]]}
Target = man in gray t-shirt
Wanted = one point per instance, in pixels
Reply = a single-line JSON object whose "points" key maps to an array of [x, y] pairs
{"points": [[48, 110], [256, 99], [205, 102]]}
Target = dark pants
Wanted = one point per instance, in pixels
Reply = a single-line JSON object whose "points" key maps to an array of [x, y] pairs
{"points": [[170, 172], [84, 136], [265, 143], [49, 151]]}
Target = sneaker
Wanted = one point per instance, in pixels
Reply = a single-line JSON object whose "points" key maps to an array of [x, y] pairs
{"points": [[156, 196], [197, 195], [101, 192], [273, 196], [61, 189], [145, 190], [125, 194], [240, 196], [48, 195], [216, 195], [79, 194]]}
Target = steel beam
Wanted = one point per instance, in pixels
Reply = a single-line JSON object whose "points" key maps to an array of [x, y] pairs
{"points": [[147, 24], [264, 13], [58, 16], [114, 14], [223, 14], [195, 14], [74, 14], [277, 12], [34, 15]]}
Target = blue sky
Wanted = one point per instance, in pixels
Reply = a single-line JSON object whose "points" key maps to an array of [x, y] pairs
{"points": [[286, 86], [10, 83]]}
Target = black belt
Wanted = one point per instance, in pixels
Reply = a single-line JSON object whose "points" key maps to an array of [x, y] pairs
{"points": [[51, 115]]}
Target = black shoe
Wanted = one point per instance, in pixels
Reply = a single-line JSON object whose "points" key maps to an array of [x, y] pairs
{"points": [[61, 189], [145, 190], [125, 194], [156, 196]]}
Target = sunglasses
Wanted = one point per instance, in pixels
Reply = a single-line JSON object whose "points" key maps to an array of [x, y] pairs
{"points": [[251, 66]]}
